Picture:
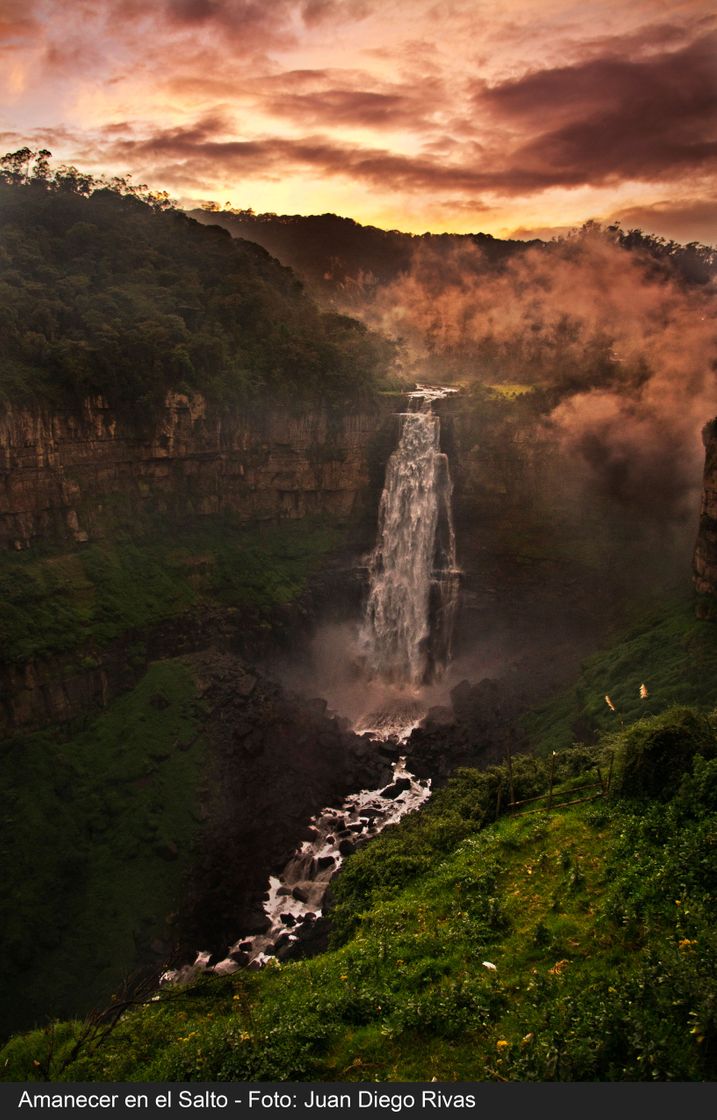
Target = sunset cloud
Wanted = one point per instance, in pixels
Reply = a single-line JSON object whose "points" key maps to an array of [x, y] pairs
{"points": [[538, 114], [615, 117]]}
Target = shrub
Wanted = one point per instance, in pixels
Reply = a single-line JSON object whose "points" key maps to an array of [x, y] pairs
{"points": [[659, 751]]}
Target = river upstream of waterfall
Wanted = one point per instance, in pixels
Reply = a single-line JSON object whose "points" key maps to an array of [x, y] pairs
{"points": [[404, 645]]}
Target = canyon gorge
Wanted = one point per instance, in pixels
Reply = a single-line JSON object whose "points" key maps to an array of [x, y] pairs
{"points": [[277, 697]]}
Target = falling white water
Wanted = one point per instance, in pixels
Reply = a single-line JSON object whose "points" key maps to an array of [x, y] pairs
{"points": [[406, 642], [406, 633]]}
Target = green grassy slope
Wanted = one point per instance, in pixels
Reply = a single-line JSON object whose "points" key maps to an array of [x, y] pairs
{"points": [[97, 835], [90, 808], [62, 602], [665, 647], [598, 918]]}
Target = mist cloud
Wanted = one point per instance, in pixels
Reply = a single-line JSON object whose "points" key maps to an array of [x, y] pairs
{"points": [[625, 352]]}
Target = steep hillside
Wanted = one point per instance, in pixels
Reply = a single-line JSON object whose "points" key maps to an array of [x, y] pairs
{"points": [[573, 943], [338, 255], [135, 834], [340, 258], [106, 295]]}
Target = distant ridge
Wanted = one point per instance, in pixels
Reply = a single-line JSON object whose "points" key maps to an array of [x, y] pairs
{"points": [[334, 254], [330, 252]]}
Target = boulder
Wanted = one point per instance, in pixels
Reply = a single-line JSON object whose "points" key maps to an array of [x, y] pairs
{"points": [[396, 788]]}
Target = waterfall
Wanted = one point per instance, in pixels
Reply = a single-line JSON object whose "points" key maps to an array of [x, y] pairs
{"points": [[406, 642], [406, 632]]}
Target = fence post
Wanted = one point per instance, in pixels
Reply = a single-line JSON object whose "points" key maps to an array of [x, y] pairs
{"points": [[609, 775], [552, 775], [497, 801], [600, 780], [510, 774]]}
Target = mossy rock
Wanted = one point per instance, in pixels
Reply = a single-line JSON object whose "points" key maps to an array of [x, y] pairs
{"points": [[660, 750]]}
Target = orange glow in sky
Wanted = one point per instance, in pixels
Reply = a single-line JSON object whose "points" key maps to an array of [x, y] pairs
{"points": [[521, 117]]}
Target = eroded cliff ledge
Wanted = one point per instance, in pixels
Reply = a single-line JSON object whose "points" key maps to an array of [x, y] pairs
{"points": [[63, 475], [705, 559]]}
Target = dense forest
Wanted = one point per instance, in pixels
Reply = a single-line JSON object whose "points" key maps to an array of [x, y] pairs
{"points": [[339, 255], [105, 291]]}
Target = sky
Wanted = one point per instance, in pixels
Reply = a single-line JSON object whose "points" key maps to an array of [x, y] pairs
{"points": [[513, 117]]}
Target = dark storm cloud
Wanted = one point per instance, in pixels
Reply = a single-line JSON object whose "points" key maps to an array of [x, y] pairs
{"points": [[613, 117]]}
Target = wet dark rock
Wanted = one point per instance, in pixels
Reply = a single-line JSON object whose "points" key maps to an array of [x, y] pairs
{"points": [[347, 848], [396, 788], [242, 959], [325, 861], [300, 894], [476, 731], [440, 716], [256, 921], [288, 919], [311, 938]]}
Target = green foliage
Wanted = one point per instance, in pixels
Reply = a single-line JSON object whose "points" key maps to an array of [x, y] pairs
{"points": [[667, 648], [52, 604], [657, 752], [111, 295], [97, 835], [598, 919]]}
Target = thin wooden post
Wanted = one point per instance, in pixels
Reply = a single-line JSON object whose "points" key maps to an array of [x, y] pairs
{"points": [[609, 775], [510, 775], [497, 800], [552, 775], [600, 780]]}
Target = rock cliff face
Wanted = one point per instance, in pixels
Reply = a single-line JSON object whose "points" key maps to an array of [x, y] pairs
{"points": [[705, 560], [274, 760], [61, 474]]}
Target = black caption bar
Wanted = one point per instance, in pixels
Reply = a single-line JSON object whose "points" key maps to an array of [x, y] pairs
{"points": [[242, 1100]]}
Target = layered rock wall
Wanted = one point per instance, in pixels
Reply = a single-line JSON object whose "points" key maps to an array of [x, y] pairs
{"points": [[63, 474]]}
